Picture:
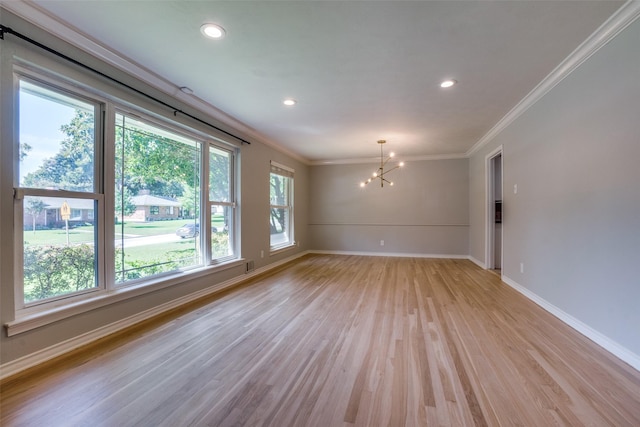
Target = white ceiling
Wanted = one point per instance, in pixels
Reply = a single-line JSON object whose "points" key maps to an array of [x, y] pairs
{"points": [[360, 70]]}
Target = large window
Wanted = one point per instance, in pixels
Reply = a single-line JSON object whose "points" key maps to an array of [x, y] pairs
{"points": [[107, 198], [281, 195], [154, 168], [58, 193], [221, 202]]}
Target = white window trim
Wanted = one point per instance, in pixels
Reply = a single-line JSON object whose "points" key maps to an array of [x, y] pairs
{"points": [[234, 240], [42, 312], [287, 172], [73, 306], [21, 307]]}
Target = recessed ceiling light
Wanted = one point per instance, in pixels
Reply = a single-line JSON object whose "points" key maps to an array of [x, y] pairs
{"points": [[213, 31], [447, 83], [289, 102]]}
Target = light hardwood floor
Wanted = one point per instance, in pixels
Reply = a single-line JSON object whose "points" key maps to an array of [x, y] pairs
{"points": [[340, 340]]}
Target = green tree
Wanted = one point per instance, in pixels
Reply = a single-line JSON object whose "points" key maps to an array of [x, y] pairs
{"points": [[24, 150], [123, 203], [278, 193], [145, 160], [219, 175], [220, 181], [152, 159], [190, 201], [34, 207], [72, 168]]}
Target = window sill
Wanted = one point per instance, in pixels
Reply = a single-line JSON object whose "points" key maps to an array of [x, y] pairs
{"points": [[275, 250], [27, 321]]}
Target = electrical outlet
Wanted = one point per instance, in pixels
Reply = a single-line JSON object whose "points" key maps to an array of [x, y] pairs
{"points": [[381, 242], [261, 254], [522, 267], [515, 188]]}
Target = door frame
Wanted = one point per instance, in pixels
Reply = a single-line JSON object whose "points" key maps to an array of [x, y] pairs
{"points": [[490, 224]]}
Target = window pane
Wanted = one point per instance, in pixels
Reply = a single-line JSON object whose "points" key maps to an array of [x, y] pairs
{"points": [[59, 253], [279, 190], [221, 224], [57, 142], [219, 175], [157, 200], [280, 218], [279, 226]]}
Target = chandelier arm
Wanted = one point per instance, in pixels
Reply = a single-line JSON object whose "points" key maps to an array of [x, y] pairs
{"points": [[392, 169]]}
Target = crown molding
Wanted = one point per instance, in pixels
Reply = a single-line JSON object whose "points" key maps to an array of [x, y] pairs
{"points": [[627, 14], [370, 160], [52, 25], [621, 19]]}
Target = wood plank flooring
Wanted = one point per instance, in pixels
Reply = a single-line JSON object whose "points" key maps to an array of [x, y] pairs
{"points": [[336, 341]]}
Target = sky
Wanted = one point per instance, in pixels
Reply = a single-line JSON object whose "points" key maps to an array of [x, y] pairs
{"points": [[40, 122]]}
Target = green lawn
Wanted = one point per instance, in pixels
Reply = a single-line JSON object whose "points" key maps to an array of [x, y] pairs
{"points": [[152, 228], [59, 236], [84, 234], [172, 250]]}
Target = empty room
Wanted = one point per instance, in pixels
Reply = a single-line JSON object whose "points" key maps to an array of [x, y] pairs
{"points": [[319, 213]]}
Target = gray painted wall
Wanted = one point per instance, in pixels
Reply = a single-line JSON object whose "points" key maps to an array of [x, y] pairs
{"points": [[575, 221], [425, 212], [254, 205]]}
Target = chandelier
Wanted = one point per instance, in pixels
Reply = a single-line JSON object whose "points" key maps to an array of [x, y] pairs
{"points": [[380, 173]]}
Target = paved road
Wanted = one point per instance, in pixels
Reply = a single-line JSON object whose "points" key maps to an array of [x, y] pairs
{"points": [[130, 242]]}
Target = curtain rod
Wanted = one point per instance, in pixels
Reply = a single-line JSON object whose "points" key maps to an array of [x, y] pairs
{"points": [[8, 30]]}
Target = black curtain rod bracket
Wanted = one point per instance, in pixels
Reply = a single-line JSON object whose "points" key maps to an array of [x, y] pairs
{"points": [[9, 30]]}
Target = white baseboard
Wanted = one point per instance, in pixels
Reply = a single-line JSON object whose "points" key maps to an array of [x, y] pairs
{"points": [[389, 254], [603, 341], [477, 262], [16, 366]]}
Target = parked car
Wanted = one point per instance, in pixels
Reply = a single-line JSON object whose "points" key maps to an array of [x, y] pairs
{"points": [[188, 230], [191, 230]]}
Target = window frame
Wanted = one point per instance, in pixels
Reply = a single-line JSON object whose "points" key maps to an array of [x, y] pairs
{"points": [[111, 102], [231, 204], [289, 174], [19, 193], [174, 129]]}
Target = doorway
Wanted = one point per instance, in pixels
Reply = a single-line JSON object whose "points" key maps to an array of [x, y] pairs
{"points": [[494, 211]]}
